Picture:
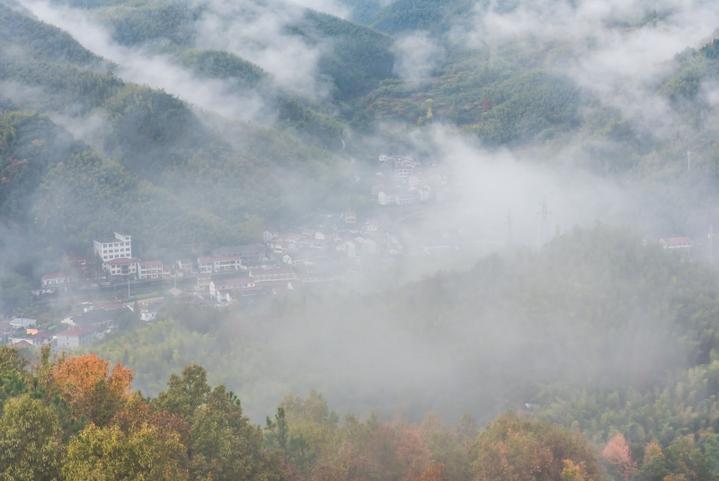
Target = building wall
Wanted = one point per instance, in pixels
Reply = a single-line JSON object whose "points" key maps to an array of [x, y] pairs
{"points": [[120, 248], [149, 272], [54, 281], [67, 342]]}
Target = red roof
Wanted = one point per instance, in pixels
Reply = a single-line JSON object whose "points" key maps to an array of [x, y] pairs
{"points": [[53, 275], [677, 242], [151, 263], [110, 306]]}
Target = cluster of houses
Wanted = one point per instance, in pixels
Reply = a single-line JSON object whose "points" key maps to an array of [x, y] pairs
{"points": [[323, 253], [676, 243], [329, 253], [401, 181], [118, 262], [91, 323], [23, 332]]}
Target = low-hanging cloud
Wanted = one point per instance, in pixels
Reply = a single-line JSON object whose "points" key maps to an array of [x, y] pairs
{"points": [[332, 7], [615, 49], [259, 32], [416, 57], [153, 70]]}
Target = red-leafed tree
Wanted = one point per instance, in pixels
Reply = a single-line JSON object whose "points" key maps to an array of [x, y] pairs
{"points": [[617, 453]]}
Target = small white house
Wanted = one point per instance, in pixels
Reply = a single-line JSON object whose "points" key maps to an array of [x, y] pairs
{"points": [[23, 323]]}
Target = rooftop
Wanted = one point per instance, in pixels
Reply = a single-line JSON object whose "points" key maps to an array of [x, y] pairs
{"points": [[53, 275], [78, 331], [122, 261]]}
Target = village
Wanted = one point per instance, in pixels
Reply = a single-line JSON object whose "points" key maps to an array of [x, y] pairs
{"points": [[113, 287]]}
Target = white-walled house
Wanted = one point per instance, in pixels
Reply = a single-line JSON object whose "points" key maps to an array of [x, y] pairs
{"points": [[23, 323], [76, 337], [54, 280]]}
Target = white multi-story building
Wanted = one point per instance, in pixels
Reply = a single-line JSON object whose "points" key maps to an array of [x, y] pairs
{"points": [[120, 248]]}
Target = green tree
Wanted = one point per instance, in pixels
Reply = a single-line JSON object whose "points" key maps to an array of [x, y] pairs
{"points": [[185, 393], [31, 446], [13, 377], [109, 454], [224, 446], [654, 464]]}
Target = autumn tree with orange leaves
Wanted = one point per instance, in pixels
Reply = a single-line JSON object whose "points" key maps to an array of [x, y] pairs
{"points": [[92, 389], [515, 448]]}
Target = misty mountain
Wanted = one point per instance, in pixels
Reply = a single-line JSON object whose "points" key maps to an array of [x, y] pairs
{"points": [[154, 139], [411, 207], [173, 26]]}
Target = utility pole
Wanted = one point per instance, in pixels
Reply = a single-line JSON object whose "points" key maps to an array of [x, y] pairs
{"points": [[710, 237], [543, 217], [509, 228]]}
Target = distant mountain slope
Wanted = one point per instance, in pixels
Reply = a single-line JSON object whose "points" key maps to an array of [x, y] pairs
{"points": [[42, 41], [432, 15], [169, 28], [364, 11], [156, 168], [359, 58], [355, 59], [507, 97]]}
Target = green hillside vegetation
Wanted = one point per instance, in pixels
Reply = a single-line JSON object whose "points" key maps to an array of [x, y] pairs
{"points": [[182, 167], [363, 12], [407, 15], [58, 186], [359, 58], [223, 65], [136, 23], [42, 41], [694, 67], [77, 418], [157, 144]]}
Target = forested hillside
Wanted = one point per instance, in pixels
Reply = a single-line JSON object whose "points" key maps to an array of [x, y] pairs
{"points": [[407, 15], [172, 153], [76, 418], [145, 142]]}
